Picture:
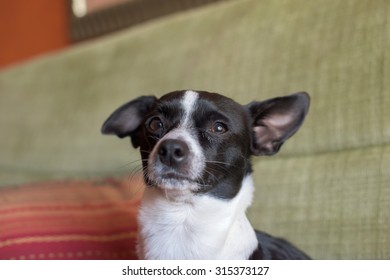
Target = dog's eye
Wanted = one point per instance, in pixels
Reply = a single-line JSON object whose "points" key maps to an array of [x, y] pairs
{"points": [[155, 124], [218, 128]]}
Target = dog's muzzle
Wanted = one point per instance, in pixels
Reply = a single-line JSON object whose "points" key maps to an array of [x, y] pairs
{"points": [[176, 160]]}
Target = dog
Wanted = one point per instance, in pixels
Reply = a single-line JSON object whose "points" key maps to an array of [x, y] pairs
{"points": [[196, 150]]}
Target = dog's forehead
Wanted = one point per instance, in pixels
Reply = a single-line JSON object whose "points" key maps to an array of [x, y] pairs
{"points": [[189, 101]]}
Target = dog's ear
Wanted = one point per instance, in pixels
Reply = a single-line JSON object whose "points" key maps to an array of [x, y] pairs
{"points": [[126, 120], [275, 120]]}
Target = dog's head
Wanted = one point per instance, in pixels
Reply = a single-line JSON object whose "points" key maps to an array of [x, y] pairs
{"points": [[201, 142]]}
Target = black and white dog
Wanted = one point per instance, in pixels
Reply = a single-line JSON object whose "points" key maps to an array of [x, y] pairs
{"points": [[196, 148]]}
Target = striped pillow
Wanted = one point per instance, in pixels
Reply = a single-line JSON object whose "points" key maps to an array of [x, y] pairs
{"points": [[70, 219]]}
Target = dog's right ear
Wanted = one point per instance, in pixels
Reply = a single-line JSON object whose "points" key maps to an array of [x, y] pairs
{"points": [[126, 120]]}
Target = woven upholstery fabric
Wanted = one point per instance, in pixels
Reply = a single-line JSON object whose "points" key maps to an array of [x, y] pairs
{"points": [[328, 188], [334, 206], [70, 220]]}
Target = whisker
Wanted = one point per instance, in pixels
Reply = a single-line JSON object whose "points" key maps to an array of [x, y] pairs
{"points": [[218, 162], [211, 174], [145, 151], [132, 174], [215, 166], [130, 163]]}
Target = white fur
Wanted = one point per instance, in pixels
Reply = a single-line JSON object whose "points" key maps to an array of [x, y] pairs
{"points": [[188, 104], [176, 224]]}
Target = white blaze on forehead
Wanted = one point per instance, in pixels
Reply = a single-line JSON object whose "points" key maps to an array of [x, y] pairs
{"points": [[188, 102]]}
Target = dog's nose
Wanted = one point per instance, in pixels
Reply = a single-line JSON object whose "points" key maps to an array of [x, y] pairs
{"points": [[173, 152]]}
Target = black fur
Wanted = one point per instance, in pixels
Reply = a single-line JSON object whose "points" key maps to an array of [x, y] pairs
{"points": [[272, 248]]}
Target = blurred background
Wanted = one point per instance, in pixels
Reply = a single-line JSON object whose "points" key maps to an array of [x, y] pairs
{"points": [[31, 28]]}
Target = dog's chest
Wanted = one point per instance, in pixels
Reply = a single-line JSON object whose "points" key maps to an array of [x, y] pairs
{"points": [[205, 228]]}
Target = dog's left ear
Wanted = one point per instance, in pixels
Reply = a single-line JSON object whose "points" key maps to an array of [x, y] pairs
{"points": [[275, 120]]}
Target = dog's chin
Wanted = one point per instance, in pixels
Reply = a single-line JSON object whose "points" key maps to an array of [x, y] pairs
{"points": [[174, 182]]}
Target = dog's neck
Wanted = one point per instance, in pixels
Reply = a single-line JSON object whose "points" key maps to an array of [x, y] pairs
{"points": [[197, 226]]}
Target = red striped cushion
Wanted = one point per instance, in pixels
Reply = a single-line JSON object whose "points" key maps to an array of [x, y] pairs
{"points": [[70, 219]]}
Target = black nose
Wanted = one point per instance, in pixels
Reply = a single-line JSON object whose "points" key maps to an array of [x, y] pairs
{"points": [[172, 152]]}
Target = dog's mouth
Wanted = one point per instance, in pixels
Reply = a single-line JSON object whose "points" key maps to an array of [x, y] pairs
{"points": [[175, 177], [173, 181]]}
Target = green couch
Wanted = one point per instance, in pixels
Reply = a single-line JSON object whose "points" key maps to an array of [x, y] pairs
{"points": [[328, 190]]}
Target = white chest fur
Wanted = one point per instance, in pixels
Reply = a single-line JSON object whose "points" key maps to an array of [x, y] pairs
{"points": [[199, 227]]}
